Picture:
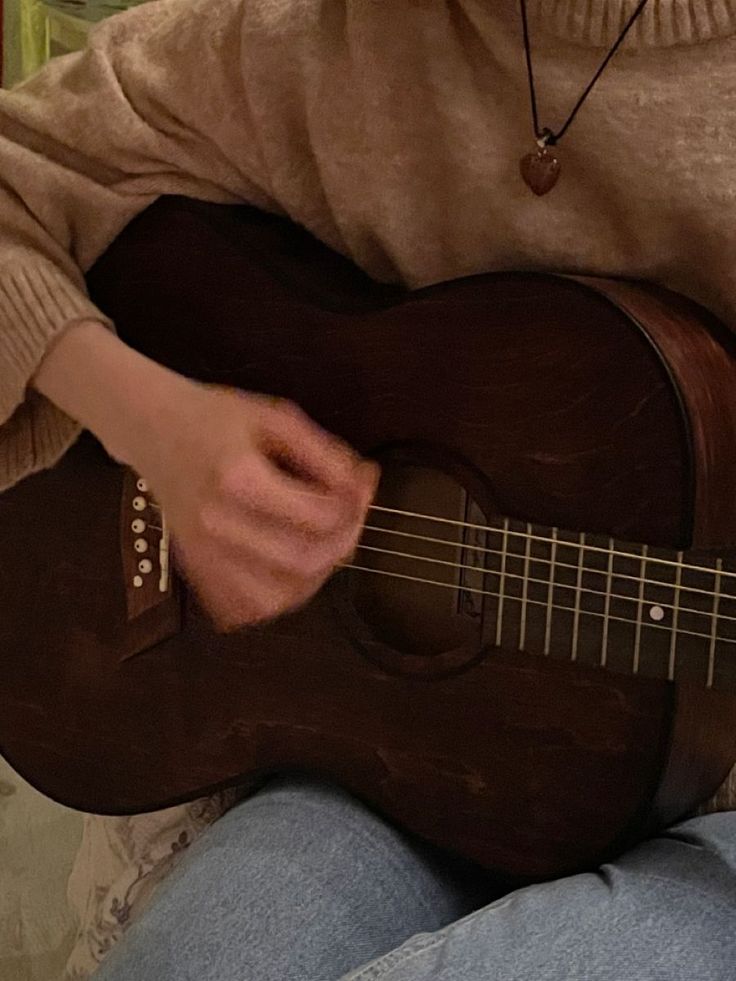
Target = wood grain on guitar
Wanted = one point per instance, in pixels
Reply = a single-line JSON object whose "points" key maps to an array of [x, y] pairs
{"points": [[531, 659]]}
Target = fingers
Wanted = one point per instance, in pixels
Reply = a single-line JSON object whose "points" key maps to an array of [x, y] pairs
{"points": [[289, 436], [256, 543], [239, 594], [256, 488]]}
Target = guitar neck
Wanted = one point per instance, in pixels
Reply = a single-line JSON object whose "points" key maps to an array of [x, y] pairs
{"points": [[590, 599]]}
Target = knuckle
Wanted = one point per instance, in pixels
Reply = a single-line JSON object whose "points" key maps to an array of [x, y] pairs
{"points": [[274, 406], [319, 519], [353, 528], [241, 611], [227, 479], [315, 563], [288, 408], [261, 605], [349, 547], [327, 527], [256, 611], [270, 603], [224, 624], [206, 520]]}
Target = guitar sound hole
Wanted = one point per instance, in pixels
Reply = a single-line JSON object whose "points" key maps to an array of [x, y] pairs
{"points": [[421, 596]]}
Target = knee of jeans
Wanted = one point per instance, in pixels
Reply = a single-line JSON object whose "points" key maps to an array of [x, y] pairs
{"points": [[299, 786], [714, 833], [309, 799], [692, 862]]}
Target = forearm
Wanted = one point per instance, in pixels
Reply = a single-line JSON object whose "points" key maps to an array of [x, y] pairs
{"points": [[109, 388]]}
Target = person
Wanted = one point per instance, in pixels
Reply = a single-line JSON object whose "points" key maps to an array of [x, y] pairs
{"points": [[393, 130]]}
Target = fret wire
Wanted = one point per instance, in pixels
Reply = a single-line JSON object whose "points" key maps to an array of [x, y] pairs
{"points": [[714, 626], [576, 615], [545, 582], [673, 625], [510, 598], [525, 591], [639, 610], [550, 587], [561, 565], [540, 538], [502, 583], [607, 606]]}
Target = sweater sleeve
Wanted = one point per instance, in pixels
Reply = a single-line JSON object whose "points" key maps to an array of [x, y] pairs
{"points": [[153, 105]]}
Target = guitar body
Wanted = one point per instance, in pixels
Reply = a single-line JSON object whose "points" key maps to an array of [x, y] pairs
{"points": [[547, 419]]}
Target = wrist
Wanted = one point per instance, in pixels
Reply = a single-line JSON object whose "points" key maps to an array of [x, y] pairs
{"points": [[116, 392]]}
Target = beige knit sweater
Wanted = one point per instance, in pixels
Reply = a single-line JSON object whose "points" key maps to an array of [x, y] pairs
{"points": [[392, 129]]}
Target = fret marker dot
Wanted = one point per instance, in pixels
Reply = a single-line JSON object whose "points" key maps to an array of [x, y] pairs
{"points": [[656, 613]]}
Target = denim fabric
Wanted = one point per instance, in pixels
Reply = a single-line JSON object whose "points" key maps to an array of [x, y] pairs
{"points": [[301, 882]]}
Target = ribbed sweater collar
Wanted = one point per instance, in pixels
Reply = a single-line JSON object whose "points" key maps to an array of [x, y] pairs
{"points": [[662, 23]]}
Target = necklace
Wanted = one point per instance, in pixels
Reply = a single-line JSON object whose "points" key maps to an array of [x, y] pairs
{"points": [[541, 168]]}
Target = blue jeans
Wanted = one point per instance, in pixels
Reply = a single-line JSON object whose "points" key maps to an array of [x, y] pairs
{"points": [[300, 882]]}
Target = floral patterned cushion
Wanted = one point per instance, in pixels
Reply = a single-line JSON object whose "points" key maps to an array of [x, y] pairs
{"points": [[119, 864]]}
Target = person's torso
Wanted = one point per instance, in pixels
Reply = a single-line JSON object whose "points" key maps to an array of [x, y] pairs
{"points": [[416, 113]]}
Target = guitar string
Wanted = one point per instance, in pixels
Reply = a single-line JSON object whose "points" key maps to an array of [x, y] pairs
{"points": [[524, 599], [557, 563], [542, 538], [537, 538], [545, 582], [713, 635], [519, 599]]}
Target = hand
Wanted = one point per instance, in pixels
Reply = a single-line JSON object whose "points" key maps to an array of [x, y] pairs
{"points": [[262, 503]]}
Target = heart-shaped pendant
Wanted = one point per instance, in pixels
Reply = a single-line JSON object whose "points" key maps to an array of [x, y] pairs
{"points": [[540, 170]]}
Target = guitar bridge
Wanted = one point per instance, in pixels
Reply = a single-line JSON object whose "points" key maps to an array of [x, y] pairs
{"points": [[151, 590]]}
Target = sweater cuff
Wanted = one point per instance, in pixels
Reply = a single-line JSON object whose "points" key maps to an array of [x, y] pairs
{"points": [[36, 304]]}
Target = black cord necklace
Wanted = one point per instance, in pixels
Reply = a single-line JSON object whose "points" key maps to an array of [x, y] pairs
{"points": [[541, 168]]}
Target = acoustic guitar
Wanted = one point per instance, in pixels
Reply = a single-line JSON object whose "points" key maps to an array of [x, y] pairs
{"points": [[531, 660]]}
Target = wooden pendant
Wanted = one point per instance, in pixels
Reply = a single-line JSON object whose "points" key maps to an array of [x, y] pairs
{"points": [[540, 170]]}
